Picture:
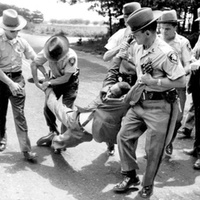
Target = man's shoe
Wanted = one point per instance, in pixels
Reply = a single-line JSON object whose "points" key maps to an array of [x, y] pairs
{"points": [[190, 152], [124, 185], [110, 149], [169, 149], [186, 133], [2, 146], [46, 140], [30, 156], [197, 164], [146, 191]]}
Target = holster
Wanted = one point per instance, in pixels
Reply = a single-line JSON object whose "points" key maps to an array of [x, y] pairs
{"points": [[170, 96]]}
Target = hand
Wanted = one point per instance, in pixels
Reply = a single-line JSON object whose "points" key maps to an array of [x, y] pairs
{"points": [[147, 79], [124, 46], [44, 85], [15, 88], [195, 65]]}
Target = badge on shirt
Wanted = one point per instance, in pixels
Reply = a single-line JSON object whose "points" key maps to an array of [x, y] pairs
{"points": [[72, 60], [173, 57]]}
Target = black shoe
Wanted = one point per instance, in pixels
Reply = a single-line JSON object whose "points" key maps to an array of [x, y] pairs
{"points": [[190, 152], [30, 156], [169, 149], [186, 133], [146, 191], [46, 140], [110, 149], [2, 146], [197, 164], [124, 185]]}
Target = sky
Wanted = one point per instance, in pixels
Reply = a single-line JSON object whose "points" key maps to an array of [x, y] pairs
{"points": [[52, 9]]}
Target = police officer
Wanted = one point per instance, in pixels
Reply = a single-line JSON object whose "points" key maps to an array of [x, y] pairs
{"points": [[12, 50], [63, 64], [155, 104], [182, 47]]}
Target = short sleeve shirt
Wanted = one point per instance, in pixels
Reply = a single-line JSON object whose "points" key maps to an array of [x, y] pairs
{"points": [[12, 52], [182, 46], [69, 64], [117, 38], [164, 59]]}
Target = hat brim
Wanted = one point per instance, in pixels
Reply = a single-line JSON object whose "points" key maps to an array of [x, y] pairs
{"points": [[156, 15], [169, 21], [198, 19], [64, 53], [120, 17], [22, 24]]}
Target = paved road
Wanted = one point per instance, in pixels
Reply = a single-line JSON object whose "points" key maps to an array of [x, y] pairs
{"points": [[84, 172]]}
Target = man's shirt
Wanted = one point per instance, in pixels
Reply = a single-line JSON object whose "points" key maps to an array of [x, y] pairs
{"points": [[12, 52]]}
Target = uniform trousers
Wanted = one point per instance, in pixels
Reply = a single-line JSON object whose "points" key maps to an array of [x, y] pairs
{"points": [[182, 97], [68, 91], [17, 103], [155, 114], [189, 120]]}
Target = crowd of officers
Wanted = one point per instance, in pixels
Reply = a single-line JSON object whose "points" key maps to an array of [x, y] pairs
{"points": [[158, 64]]}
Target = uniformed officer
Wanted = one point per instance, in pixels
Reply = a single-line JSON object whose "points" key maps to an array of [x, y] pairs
{"points": [[156, 102], [181, 45], [63, 64], [12, 84]]}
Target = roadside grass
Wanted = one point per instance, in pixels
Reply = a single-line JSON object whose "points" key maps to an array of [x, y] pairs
{"points": [[93, 46], [97, 35]]}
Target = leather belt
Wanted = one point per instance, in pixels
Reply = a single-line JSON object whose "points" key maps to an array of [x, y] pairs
{"points": [[13, 74], [152, 95]]}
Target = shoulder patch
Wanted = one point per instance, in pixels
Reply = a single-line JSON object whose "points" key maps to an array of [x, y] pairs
{"points": [[173, 57], [72, 60]]}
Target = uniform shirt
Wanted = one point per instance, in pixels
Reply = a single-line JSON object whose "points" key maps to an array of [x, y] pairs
{"points": [[165, 62], [69, 64], [12, 52], [117, 38], [182, 46]]}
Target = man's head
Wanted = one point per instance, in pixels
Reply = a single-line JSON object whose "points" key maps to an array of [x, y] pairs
{"points": [[56, 47], [168, 24], [12, 23], [118, 89], [128, 8], [143, 23]]}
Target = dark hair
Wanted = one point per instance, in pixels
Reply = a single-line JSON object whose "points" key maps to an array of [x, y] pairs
{"points": [[124, 87]]}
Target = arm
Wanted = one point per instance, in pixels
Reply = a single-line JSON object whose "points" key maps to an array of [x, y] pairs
{"points": [[108, 55], [164, 82], [14, 87], [34, 68]]}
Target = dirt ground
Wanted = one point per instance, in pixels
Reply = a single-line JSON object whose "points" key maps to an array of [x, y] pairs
{"points": [[85, 172]]}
